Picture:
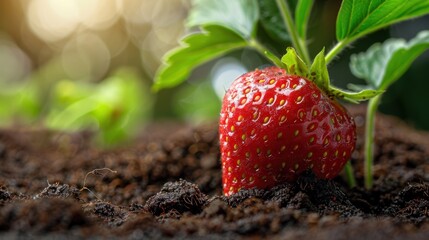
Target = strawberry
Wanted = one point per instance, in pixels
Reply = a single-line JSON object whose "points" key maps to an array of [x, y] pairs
{"points": [[275, 125]]}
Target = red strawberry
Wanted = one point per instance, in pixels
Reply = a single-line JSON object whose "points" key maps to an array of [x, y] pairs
{"points": [[274, 126]]}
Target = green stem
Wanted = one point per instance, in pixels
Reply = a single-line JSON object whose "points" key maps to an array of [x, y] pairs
{"points": [[350, 177], [298, 43], [369, 140], [335, 50], [253, 43]]}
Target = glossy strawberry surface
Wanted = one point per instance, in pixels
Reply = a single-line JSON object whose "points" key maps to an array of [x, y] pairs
{"points": [[274, 126]]}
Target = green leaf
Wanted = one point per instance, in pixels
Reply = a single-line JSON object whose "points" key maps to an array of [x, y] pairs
{"points": [[382, 64], [294, 64], [354, 97], [274, 59], [357, 87], [272, 22], [196, 49], [20, 101], [238, 15], [302, 14], [114, 108], [319, 71], [357, 18], [320, 76]]}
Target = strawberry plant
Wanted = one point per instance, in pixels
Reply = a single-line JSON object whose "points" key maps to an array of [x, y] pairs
{"points": [[280, 121], [391, 58]]}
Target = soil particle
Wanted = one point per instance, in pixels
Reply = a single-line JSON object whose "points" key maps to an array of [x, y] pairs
{"points": [[215, 207], [4, 195], [144, 226], [58, 190], [180, 196], [302, 201], [328, 196], [363, 229], [411, 204], [307, 194], [113, 215], [42, 215]]}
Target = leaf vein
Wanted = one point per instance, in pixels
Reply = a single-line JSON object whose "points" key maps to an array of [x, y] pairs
{"points": [[366, 18]]}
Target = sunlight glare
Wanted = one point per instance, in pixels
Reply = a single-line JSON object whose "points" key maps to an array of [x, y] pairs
{"points": [[52, 20]]}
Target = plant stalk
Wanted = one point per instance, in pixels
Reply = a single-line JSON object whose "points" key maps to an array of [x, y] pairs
{"points": [[369, 140], [350, 177], [253, 43], [336, 50], [298, 43]]}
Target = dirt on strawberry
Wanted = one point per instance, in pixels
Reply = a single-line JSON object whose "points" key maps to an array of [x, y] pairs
{"points": [[167, 184]]}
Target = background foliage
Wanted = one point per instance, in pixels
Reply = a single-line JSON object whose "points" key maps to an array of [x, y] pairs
{"points": [[90, 64]]}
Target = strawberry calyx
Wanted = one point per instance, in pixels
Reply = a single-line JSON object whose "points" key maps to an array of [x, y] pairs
{"points": [[318, 73]]}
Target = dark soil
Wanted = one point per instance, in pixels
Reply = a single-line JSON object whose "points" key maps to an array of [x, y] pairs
{"points": [[167, 184]]}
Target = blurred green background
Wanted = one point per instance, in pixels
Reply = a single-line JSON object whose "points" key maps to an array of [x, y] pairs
{"points": [[89, 64]]}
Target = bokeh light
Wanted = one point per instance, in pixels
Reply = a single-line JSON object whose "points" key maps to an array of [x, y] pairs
{"points": [[86, 57], [15, 64], [53, 20], [223, 74], [87, 34]]}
